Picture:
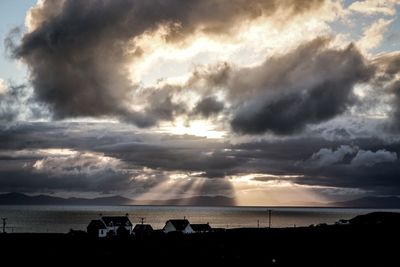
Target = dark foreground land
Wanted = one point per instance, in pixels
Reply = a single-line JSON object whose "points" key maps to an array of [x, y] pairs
{"points": [[341, 245]]}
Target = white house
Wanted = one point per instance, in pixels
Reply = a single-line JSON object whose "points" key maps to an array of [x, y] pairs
{"points": [[114, 222], [109, 225], [182, 226], [97, 228]]}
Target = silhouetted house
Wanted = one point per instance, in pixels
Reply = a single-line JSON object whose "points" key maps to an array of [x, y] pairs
{"points": [[143, 230], [109, 226], [114, 222], [342, 222], [201, 228], [97, 228], [182, 226]]}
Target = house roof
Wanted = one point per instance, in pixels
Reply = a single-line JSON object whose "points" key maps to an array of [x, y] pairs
{"points": [[204, 227], [96, 224], [116, 221], [179, 224], [142, 228]]}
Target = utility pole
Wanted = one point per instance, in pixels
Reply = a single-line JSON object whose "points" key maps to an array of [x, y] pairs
{"points": [[269, 218], [4, 224]]}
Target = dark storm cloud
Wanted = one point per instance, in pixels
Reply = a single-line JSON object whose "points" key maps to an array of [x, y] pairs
{"points": [[78, 51], [208, 106], [395, 90], [160, 106], [366, 164], [198, 155], [369, 164], [211, 76], [389, 65], [26, 180], [312, 84], [393, 68]]}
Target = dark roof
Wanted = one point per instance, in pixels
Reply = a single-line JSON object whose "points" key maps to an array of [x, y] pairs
{"points": [[204, 227], [142, 228], [96, 224], [179, 224], [116, 221]]}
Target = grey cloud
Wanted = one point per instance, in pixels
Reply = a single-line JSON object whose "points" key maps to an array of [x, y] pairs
{"points": [[76, 163], [375, 169], [24, 180], [78, 51], [326, 156], [160, 106], [353, 155], [311, 84], [370, 158], [211, 76], [186, 157], [389, 64], [12, 102], [10, 41], [395, 113], [208, 106]]}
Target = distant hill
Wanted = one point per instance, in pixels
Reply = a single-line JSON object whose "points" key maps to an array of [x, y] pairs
{"points": [[22, 199], [377, 218], [370, 202]]}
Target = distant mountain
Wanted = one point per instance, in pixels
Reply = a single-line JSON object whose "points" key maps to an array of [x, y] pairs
{"points": [[377, 218], [22, 199], [370, 202]]}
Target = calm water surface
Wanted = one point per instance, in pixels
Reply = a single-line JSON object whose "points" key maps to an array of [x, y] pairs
{"points": [[60, 219]]}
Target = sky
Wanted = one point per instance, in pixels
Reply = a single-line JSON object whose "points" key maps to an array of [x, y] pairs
{"points": [[268, 102]]}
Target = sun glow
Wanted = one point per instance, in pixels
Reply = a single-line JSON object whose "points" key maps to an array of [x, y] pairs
{"points": [[177, 185], [200, 128], [248, 44], [259, 189]]}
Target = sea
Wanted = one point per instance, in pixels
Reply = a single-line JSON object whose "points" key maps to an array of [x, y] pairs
{"points": [[61, 219]]}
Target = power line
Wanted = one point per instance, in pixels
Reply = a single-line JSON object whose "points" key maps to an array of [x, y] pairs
{"points": [[269, 218], [4, 224]]}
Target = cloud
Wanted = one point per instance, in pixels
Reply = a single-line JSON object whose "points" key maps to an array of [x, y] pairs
{"points": [[373, 34], [369, 158], [371, 7], [76, 163], [387, 83], [12, 100], [327, 156], [109, 157], [208, 106], [16, 104], [3, 87], [311, 84], [351, 155], [79, 53]]}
